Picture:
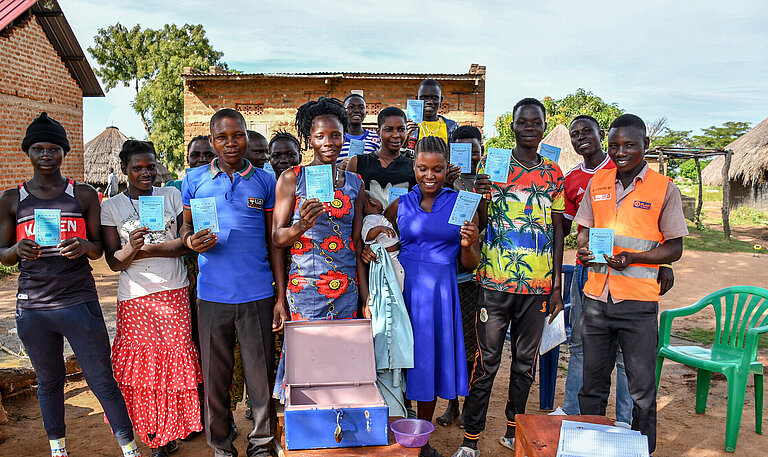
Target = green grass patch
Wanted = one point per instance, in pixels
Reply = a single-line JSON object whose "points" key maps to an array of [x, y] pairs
{"points": [[708, 193], [748, 216], [5, 271], [708, 240], [707, 336]]}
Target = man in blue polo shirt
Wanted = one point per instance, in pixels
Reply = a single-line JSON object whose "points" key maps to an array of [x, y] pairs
{"points": [[234, 287]]}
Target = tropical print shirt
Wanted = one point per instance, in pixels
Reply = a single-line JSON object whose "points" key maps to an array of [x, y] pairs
{"points": [[516, 255]]}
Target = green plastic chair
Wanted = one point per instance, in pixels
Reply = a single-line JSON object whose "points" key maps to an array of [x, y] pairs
{"points": [[740, 316]]}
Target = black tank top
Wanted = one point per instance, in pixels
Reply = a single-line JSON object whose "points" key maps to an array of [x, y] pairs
{"points": [[378, 179], [53, 281]]}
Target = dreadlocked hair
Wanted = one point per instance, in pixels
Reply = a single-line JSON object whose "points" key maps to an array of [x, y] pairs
{"points": [[323, 106], [284, 135], [432, 144]]}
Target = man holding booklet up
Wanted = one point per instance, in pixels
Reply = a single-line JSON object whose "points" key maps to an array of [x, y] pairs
{"points": [[235, 282], [641, 211]]}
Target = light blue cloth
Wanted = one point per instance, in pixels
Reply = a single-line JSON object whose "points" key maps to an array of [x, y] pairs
{"points": [[392, 332]]}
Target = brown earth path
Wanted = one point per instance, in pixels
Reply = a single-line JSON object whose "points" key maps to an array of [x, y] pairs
{"points": [[681, 431]]}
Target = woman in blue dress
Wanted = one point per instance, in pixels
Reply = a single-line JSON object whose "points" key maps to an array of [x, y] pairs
{"points": [[325, 274], [429, 251]]}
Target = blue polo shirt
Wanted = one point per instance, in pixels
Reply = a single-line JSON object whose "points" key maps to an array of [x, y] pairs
{"points": [[236, 269]]}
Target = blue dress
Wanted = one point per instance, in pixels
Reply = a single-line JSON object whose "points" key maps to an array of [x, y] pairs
{"points": [[428, 253], [322, 277]]}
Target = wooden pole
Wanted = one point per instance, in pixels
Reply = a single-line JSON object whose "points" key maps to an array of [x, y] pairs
{"points": [[662, 167], [726, 212], [698, 206]]}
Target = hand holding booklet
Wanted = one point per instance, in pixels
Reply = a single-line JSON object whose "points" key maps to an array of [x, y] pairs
{"points": [[48, 227], [152, 212], [415, 111], [204, 214], [601, 242], [356, 147], [461, 156], [553, 334], [497, 164], [319, 182], [464, 208]]}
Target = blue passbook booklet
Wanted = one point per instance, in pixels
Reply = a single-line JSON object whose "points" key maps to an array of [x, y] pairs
{"points": [[204, 214], [601, 242], [550, 152], [268, 168], [152, 212], [48, 227], [356, 147], [319, 182], [497, 164], [395, 193], [464, 208], [415, 110], [461, 156]]}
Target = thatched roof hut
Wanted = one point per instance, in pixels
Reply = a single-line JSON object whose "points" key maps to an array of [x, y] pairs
{"points": [[748, 172], [559, 137], [750, 159], [102, 152]]}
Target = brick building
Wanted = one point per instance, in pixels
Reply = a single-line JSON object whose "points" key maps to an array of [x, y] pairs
{"points": [[269, 101], [42, 68]]}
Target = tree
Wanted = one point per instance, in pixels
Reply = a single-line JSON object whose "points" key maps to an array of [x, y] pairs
{"points": [[560, 111], [152, 62], [720, 137], [656, 127], [673, 139]]}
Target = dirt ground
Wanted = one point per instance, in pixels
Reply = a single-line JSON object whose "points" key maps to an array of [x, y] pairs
{"points": [[681, 431]]}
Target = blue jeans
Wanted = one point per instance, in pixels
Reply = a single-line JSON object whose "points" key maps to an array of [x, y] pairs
{"points": [[42, 332], [575, 375]]}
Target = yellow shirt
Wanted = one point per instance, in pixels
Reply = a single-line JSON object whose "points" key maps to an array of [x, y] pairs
{"points": [[434, 128]]}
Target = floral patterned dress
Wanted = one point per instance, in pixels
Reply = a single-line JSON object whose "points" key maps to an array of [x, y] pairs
{"points": [[322, 279]]}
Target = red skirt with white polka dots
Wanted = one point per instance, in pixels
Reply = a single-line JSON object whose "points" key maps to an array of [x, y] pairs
{"points": [[155, 364]]}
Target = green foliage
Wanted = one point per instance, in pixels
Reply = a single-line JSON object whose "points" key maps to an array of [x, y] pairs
{"points": [[560, 111], [708, 194], [708, 240], [748, 216], [6, 270], [720, 137], [504, 138], [152, 61], [688, 169], [673, 139]]}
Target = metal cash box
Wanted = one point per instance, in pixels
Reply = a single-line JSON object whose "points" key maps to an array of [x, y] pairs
{"points": [[331, 397]]}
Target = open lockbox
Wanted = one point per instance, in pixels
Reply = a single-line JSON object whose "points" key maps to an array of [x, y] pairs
{"points": [[331, 397]]}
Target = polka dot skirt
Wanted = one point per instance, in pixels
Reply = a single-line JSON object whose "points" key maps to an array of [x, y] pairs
{"points": [[155, 364]]}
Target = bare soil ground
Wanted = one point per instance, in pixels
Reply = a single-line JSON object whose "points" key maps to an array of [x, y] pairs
{"points": [[682, 432]]}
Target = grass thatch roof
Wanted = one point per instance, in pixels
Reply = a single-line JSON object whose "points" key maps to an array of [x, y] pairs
{"points": [[560, 138], [749, 163], [103, 152]]}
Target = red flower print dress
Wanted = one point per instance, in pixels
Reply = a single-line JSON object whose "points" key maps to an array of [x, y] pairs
{"points": [[322, 279]]}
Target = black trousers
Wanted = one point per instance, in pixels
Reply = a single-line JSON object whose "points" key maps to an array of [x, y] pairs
{"points": [[495, 311], [633, 325], [217, 324]]}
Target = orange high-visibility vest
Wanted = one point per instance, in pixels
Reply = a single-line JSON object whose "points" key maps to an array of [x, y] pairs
{"points": [[636, 229]]}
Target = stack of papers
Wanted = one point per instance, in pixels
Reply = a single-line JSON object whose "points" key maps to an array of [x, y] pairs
{"points": [[580, 439]]}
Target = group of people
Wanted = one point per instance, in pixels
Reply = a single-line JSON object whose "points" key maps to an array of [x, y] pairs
{"points": [[199, 312]]}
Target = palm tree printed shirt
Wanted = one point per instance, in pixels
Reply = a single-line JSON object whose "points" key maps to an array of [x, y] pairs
{"points": [[516, 255]]}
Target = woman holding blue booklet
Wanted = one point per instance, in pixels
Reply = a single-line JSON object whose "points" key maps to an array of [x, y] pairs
{"points": [[326, 273], [153, 356], [432, 244]]}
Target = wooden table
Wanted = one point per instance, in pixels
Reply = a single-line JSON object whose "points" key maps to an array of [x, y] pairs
{"points": [[539, 435], [392, 449]]}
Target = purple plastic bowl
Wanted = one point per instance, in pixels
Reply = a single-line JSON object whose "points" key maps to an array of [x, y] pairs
{"points": [[412, 432]]}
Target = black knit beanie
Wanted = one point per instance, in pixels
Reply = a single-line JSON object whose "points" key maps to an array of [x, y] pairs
{"points": [[45, 129]]}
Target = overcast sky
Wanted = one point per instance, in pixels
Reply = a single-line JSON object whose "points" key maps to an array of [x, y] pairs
{"points": [[698, 63]]}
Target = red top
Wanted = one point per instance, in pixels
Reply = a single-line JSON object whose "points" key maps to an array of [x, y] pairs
{"points": [[576, 182]]}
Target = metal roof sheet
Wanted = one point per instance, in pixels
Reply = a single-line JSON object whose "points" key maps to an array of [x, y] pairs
{"points": [[63, 39]]}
